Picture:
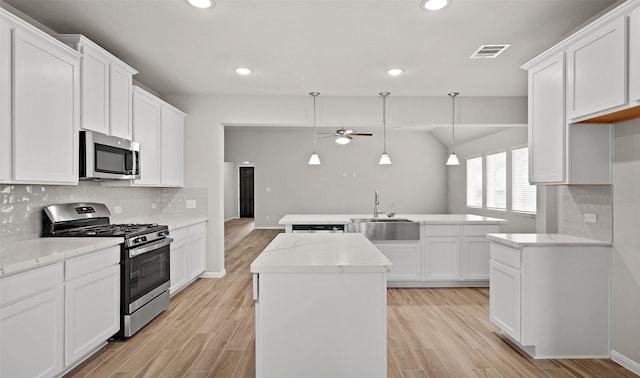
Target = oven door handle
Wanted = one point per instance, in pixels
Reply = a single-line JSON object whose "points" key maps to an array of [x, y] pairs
{"points": [[150, 247]]}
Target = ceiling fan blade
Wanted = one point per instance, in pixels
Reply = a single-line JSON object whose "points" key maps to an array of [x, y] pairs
{"points": [[361, 134]]}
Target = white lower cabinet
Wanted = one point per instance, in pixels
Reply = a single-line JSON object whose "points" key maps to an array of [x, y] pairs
{"points": [[54, 316], [406, 259], [32, 323], [474, 256], [188, 255], [92, 302], [442, 258], [552, 300]]}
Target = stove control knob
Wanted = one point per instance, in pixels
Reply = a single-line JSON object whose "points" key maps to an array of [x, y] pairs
{"points": [[143, 239]]}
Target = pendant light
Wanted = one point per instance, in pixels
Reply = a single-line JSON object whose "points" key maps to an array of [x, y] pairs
{"points": [[453, 159], [384, 158], [314, 159]]}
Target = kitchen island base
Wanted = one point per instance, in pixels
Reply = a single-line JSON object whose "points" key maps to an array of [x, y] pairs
{"points": [[321, 307]]}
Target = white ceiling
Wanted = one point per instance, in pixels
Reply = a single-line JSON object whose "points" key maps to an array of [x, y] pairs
{"points": [[336, 47]]}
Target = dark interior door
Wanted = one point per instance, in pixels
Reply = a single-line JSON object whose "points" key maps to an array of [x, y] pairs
{"points": [[246, 192]]}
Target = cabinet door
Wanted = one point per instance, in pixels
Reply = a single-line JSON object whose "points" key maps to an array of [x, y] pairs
{"points": [[196, 257], [634, 56], [406, 260], [441, 258], [504, 299], [596, 71], [178, 266], [31, 344], [146, 131], [547, 122], [475, 258], [95, 90], [6, 42], [92, 315], [46, 140], [172, 140], [120, 101]]}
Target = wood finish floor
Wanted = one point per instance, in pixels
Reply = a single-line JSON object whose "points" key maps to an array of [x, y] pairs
{"points": [[208, 331]]}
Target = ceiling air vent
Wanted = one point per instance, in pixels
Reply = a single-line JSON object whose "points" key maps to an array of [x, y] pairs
{"points": [[488, 51]]}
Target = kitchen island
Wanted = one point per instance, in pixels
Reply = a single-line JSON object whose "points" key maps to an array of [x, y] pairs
{"points": [[451, 251], [320, 307]]}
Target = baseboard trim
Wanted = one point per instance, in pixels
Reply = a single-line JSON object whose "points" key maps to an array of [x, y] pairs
{"points": [[269, 228], [625, 361], [426, 284], [232, 218], [214, 274]]}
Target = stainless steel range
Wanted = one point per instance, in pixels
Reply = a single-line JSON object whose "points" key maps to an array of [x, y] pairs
{"points": [[144, 260]]}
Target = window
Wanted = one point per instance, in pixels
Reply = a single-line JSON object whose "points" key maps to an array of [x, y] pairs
{"points": [[474, 182], [523, 195], [497, 181]]}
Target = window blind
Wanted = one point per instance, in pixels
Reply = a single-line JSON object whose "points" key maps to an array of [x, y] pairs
{"points": [[497, 181], [474, 182], [523, 197]]}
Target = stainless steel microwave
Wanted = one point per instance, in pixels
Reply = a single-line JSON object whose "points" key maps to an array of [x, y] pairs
{"points": [[107, 157]]}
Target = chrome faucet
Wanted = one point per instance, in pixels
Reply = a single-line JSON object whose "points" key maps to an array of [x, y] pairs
{"points": [[376, 202]]}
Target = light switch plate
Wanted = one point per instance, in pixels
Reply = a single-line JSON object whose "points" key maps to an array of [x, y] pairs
{"points": [[191, 204], [117, 209], [590, 218]]}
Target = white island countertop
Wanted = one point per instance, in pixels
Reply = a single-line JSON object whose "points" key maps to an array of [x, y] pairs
{"points": [[290, 219], [541, 240], [319, 253]]}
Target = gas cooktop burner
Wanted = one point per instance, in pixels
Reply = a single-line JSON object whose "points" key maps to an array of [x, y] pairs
{"points": [[127, 229]]}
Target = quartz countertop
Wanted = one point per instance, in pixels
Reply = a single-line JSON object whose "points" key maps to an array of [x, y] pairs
{"points": [[420, 218], [319, 253], [524, 240], [32, 253]]}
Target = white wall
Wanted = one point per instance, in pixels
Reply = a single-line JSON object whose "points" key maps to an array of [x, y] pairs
{"points": [[230, 190], [206, 115], [511, 137], [348, 176], [626, 241]]}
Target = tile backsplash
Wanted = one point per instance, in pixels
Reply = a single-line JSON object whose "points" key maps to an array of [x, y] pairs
{"points": [[576, 202], [21, 205]]}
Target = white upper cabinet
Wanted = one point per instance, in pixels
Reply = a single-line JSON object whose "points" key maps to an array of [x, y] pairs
{"points": [[159, 128], [106, 88], [6, 43], [596, 74], [547, 121], [37, 146], [634, 57], [147, 110], [172, 146]]}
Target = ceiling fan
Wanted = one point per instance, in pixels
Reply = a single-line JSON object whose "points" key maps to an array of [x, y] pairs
{"points": [[344, 136]]}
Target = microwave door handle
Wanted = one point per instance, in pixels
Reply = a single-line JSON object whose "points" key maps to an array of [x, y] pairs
{"points": [[134, 163]]}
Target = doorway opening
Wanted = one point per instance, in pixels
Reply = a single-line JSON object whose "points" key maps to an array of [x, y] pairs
{"points": [[246, 192]]}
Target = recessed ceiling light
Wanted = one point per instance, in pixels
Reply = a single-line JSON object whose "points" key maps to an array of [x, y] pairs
{"points": [[243, 71], [201, 3], [434, 4], [395, 71]]}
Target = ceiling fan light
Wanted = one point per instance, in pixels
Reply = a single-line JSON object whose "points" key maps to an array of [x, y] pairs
{"points": [[343, 140], [435, 4], [243, 71], [202, 4], [384, 159], [314, 159], [453, 159]]}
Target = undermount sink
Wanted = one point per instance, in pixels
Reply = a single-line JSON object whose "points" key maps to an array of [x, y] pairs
{"points": [[379, 229]]}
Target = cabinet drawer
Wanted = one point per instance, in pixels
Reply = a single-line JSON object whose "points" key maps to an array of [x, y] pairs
{"points": [[506, 255], [197, 229], [179, 234], [441, 230], [24, 284], [82, 265], [480, 230]]}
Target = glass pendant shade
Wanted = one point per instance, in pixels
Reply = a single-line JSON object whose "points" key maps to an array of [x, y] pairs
{"points": [[314, 159], [384, 159], [453, 160]]}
